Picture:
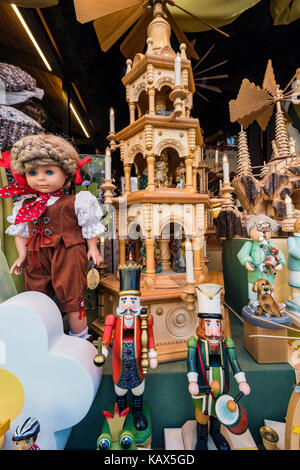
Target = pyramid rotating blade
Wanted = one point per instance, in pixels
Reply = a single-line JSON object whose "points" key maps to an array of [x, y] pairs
{"points": [[251, 99], [111, 27], [135, 40], [269, 82], [88, 10]]}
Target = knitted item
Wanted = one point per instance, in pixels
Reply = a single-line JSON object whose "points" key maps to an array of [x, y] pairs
{"points": [[15, 79], [17, 86], [14, 125], [43, 149]]}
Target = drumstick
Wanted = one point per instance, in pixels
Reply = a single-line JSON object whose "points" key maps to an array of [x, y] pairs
{"points": [[278, 337]]}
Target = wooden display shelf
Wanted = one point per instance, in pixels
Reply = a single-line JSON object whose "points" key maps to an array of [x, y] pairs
{"points": [[266, 350]]}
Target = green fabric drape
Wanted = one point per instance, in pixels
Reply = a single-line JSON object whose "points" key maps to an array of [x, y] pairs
{"points": [[33, 3], [7, 243], [216, 12], [220, 12], [284, 11]]}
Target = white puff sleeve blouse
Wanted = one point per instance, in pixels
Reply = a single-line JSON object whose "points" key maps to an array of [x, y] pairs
{"points": [[87, 210]]}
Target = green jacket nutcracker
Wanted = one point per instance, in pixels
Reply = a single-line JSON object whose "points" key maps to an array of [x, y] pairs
{"points": [[208, 362]]}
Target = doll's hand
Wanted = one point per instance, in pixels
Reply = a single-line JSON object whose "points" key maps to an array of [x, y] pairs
{"points": [[93, 253], [17, 267], [245, 388], [193, 388], [249, 267], [153, 363], [278, 267]]}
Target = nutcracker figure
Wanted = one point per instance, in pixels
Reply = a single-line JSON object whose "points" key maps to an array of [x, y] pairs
{"points": [[208, 367], [133, 335]]}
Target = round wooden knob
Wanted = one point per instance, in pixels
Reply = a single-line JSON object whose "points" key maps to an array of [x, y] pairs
{"points": [[159, 311], [232, 406], [149, 283], [215, 386]]}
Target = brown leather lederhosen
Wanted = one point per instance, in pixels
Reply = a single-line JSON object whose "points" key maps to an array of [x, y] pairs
{"points": [[56, 256]]}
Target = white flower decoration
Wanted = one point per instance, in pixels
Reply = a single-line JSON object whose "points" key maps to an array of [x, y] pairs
{"points": [[56, 371]]}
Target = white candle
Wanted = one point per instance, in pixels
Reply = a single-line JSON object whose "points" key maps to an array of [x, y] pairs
{"points": [[217, 156], [205, 248], [189, 261], [288, 207], [112, 120], [107, 164], [220, 184], [178, 70], [102, 247], [225, 169]]}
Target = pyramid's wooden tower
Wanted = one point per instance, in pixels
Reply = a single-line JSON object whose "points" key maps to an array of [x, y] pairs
{"points": [[159, 91]]}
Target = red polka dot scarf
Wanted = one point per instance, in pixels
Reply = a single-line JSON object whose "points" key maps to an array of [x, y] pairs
{"points": [[32, 210]]}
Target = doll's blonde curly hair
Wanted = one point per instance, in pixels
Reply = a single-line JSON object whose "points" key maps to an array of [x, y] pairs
{"points": [[44, 150]]}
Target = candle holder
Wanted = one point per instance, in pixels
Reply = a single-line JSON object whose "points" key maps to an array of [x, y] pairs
{"points": [[217, 167], [189, 296], [108, 188], [112, 141], [227, 199], [177, 95], [287, 225]]}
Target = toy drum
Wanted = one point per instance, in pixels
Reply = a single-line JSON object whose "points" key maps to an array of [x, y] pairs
{"points": [[235, 421]]}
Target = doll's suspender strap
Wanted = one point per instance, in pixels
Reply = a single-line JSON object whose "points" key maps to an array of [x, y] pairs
{"points": [[204, 373]]}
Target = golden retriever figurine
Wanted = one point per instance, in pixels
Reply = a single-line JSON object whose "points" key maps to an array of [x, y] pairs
{"points": [[267, 305]]}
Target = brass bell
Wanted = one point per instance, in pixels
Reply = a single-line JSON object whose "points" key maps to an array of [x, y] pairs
{"points": [[270, 438], [99, 359]]}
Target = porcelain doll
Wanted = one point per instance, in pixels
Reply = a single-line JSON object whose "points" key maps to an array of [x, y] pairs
{"points": [[127, 344], [26, 434], [254, 253], [208, 362], [50, 228]]}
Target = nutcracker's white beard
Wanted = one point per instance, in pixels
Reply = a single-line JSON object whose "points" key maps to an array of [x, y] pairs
{"points": [[129, 314]]}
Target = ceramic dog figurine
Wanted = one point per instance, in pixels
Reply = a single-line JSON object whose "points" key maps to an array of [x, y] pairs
{"points": [[267, 306]]}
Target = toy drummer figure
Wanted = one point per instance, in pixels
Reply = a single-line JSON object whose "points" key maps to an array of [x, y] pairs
{"points": [[127, 343], [208, 368]]}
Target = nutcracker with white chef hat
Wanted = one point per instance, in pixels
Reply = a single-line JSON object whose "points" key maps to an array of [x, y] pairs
{"points": [[210, 314]]}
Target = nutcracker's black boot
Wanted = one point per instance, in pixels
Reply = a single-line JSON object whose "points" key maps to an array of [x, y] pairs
{"points": [[202, 436], [219, 440], [139, 419], [121, 402]]}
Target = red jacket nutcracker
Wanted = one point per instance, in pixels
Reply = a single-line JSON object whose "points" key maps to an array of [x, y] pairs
{"points": [[127, 343]]}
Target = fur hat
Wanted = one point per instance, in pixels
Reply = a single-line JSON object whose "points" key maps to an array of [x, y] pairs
{"points": [[44, 149]]}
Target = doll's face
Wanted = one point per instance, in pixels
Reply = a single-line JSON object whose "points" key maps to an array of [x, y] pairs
{"points": [[46, 179]]}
